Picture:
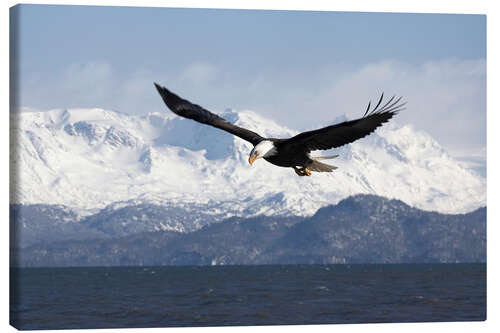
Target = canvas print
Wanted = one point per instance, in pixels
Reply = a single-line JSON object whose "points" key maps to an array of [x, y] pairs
{"points": [[182, 167]]}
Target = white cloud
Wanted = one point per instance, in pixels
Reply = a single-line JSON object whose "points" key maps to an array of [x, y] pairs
{"points": [[87, 73], [77, 85], [199, 73], [446, 98], [87, 82]]}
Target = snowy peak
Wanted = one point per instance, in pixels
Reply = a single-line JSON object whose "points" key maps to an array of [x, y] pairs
{"points": [[91, 158], [217, 144]]}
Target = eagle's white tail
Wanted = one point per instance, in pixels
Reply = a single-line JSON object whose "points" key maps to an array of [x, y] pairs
{"points": [[319, 158], [317, 166]]}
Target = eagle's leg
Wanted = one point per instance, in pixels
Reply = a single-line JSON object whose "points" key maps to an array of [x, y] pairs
{"points": [[299, 172], [302, 171]]}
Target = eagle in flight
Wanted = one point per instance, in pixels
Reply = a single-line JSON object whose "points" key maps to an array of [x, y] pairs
{"points": [[293, 152]]}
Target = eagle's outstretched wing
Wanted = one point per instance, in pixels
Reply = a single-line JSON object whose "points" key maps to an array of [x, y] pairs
{"points": [[340, 134], [189, 110]]}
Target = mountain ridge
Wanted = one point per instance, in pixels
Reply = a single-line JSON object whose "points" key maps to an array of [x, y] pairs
{"points": [[359, 229], [89, 159]]}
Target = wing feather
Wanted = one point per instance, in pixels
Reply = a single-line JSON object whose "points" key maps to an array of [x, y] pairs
{"points": [[340, 134], [186, 109]]}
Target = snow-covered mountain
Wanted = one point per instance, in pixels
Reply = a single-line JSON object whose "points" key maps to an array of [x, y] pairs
{"points": [[88, 159]]}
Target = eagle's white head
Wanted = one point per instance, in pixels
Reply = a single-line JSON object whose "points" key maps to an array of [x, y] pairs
{"points": [[262, 149]]}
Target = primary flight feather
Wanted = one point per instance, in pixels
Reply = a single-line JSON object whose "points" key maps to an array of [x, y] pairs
{"points": [[293, 152]]}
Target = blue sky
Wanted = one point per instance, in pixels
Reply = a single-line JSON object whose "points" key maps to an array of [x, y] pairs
{"points": [[302, 69], [54, 36]]}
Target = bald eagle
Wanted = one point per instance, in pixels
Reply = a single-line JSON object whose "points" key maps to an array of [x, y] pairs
{"points": [[293, 152]]}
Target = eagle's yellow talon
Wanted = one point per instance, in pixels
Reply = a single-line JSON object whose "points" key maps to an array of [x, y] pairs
{"points": [[307, 171]]}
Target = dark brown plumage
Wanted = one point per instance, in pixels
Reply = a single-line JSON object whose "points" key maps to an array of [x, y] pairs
{"points": [[293, 152]]}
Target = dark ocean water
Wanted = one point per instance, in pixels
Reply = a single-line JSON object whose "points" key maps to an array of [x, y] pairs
{"points": [[63, 298]]}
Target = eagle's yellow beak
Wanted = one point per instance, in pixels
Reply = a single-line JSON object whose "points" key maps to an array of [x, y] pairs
{"points": [[252, 158]]}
